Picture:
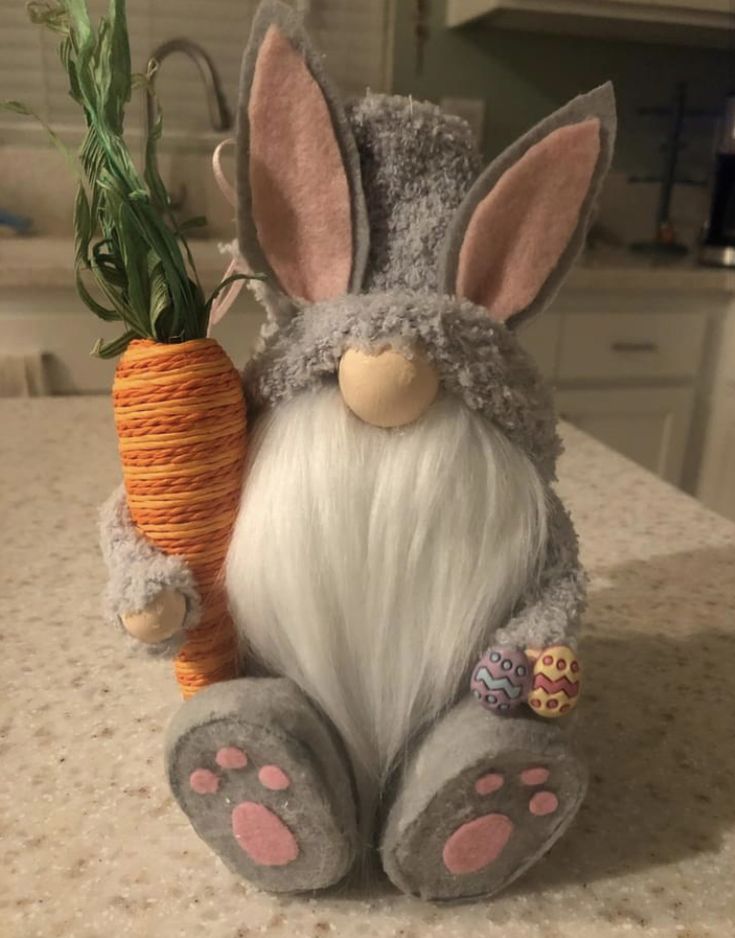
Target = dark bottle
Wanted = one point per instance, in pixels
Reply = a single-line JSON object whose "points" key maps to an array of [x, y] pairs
{"points": [[718, 246], [721, 228]]}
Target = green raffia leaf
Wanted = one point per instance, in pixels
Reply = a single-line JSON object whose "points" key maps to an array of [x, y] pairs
{"points": [[117, 63], [233, 278], [108, 315], [126, 235], [17, 107], [159, 195], [84, 225], [160, 298], [114, 348]]}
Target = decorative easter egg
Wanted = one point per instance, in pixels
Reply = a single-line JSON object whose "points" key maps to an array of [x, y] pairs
{"points": [[556, 681], [502, 679]]}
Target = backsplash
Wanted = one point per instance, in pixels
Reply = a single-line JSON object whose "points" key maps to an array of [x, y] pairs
{"points": [[520, 77], [516, 77], [627, 212], [35, 181]]}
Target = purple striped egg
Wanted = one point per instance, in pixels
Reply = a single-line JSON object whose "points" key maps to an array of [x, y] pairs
{"points": [[502, 679]]}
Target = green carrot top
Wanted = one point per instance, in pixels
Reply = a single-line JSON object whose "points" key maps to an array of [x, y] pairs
{"points": [[126, 235]]}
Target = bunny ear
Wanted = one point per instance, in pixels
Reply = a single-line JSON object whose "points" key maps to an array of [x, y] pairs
{"points": [[524, 221], [301, 210]]}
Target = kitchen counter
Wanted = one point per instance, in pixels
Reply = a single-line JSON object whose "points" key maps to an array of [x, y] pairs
{"points": [[43, 262], [93, 845]]}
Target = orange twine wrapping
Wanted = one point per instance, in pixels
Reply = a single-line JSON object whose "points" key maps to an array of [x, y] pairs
{"points": [[180, 419]]}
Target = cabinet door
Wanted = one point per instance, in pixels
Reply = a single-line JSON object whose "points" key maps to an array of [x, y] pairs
{"points": [[630, 346], [717, 480], [648, 425]]}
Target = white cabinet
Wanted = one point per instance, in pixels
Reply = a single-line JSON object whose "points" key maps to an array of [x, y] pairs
{"points": [[717, 478], [630, 367], [685, 21], [717, 481], [630, 346], [648, 425]]}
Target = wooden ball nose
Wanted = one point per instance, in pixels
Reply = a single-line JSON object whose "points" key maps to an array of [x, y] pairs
{"points": [[385, 388]]}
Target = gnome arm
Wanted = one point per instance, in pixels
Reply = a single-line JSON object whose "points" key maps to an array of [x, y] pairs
{"points": [[147, 590], [550, 614]]}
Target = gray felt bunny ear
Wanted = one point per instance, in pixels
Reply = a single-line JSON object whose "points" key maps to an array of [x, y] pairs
{"points": [[301, 212], [522, 224]]}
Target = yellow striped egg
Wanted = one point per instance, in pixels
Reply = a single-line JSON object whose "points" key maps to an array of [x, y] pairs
{"points": [[556, 682]]}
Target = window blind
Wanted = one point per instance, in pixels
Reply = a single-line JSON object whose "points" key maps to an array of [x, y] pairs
{"points": [[354, 36]]}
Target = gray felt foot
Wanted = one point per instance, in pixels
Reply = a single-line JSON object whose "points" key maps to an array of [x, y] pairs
{"points": [[482, 799], [259, 775]]}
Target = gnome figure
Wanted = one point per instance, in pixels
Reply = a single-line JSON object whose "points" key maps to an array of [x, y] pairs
{"points": [[404, 580]]}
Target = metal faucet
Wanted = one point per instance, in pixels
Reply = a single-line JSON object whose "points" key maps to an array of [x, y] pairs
{"points": [[219, 112]]}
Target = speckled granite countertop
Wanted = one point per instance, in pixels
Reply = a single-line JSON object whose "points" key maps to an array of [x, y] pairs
{"points": [[92, 845]]}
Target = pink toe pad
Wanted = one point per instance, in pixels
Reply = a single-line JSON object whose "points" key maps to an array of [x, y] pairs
{"points": [[270, 776], [535, 776], [230, 757], [477, 843], [543, 802], [203, 782], [489, 783], [263, 835]]}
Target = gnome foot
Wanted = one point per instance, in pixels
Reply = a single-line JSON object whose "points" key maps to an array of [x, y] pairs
{"points": [[260, 777], [483, 798]]}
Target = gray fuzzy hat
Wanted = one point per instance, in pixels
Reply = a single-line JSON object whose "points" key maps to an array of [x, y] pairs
{"points": [[374, 228]]}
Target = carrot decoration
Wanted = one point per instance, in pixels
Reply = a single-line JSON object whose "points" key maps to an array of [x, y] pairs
{"points": [[178, 403], [180, 421]]}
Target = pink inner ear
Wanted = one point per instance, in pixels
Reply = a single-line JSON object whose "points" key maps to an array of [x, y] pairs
{"points": [[520, 229], [300, 193]]}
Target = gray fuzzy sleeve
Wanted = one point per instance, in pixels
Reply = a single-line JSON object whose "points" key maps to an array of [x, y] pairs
{"points": [[550, 614], [137, 572]]}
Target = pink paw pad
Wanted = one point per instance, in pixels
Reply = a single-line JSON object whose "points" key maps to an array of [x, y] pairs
{"points": [[230, 757], [535, 776], [263, 835], [477, 843], [203, 782], [543, 803], [489, 783], [270, 776]]}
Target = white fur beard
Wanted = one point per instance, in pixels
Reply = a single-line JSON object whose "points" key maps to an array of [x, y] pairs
{"points": [[373, 566]]}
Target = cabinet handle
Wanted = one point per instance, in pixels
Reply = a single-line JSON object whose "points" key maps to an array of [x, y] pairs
{"points": [[634, 347]]}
